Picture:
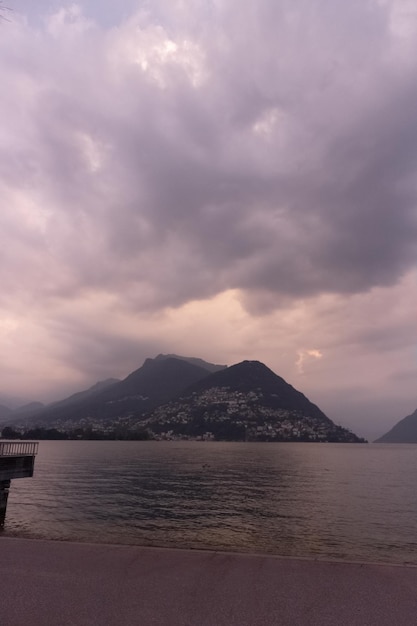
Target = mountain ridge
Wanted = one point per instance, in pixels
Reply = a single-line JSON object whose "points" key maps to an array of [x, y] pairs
{"points": [[175, 397], [404, 431], [153, 383], [245, 402], [211, 367]]}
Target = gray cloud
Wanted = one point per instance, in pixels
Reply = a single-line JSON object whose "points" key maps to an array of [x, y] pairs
{"points": [[287, 168]]}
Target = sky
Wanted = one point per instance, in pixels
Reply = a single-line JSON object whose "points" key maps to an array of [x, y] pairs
{"points": [[214, 178]]}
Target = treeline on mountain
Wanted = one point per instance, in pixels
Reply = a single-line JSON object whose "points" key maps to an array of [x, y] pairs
{"points": [[87, 434]]}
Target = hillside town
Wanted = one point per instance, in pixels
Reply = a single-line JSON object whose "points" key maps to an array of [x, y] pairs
{"points": [[169, 398], [223, 413]]}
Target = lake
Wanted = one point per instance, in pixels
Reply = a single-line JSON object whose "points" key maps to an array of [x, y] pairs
{"points": [[334, 501]]}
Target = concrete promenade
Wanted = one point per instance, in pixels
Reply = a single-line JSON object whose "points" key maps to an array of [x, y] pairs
{"points": [[47, 583]]}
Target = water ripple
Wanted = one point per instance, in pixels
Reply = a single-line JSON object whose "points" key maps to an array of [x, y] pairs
{"points": [[330, 501]]}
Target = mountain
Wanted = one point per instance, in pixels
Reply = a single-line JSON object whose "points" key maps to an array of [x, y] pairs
{"points": [[49, 413], [9, 416], [5, 412], [27, 410], [173, 397], [405, 431], [87, 394], [210, 367], [12, 402], [154, 383], [247, 401]]}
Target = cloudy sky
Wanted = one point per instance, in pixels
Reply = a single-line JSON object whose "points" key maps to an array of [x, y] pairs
{"points": [[216, 178]]}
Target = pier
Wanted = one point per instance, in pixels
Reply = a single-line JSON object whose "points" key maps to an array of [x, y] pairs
{"points": [[17, 460]]}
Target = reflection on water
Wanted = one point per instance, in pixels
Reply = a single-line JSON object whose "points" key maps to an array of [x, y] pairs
{"points": [[355, 502]]}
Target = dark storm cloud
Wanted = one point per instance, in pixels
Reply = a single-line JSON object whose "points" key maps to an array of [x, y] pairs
{"points": [[95, 353], [264, 147]]}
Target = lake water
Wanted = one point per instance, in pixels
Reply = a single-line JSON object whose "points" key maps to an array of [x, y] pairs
{"points": [[343, 501]]}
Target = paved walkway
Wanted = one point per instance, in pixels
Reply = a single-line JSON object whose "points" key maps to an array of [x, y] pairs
{"points": [[47, 583]]}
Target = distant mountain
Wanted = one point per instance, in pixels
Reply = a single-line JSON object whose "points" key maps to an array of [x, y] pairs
{"points": [[5, 412], [12, 402], [154, 383], [405, 431], [87, 394], [41, 414], [10, 416], [210, 367], [27, 410], [244, 402]]}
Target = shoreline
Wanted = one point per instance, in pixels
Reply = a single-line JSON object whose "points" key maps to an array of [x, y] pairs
{"points": [[263, 555], [71, 584]]}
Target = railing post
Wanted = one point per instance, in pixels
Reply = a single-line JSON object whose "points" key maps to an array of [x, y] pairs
{"points": [[4, 492]]}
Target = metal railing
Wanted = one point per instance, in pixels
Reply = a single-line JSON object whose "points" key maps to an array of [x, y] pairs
{"points": [[19, 448]]}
